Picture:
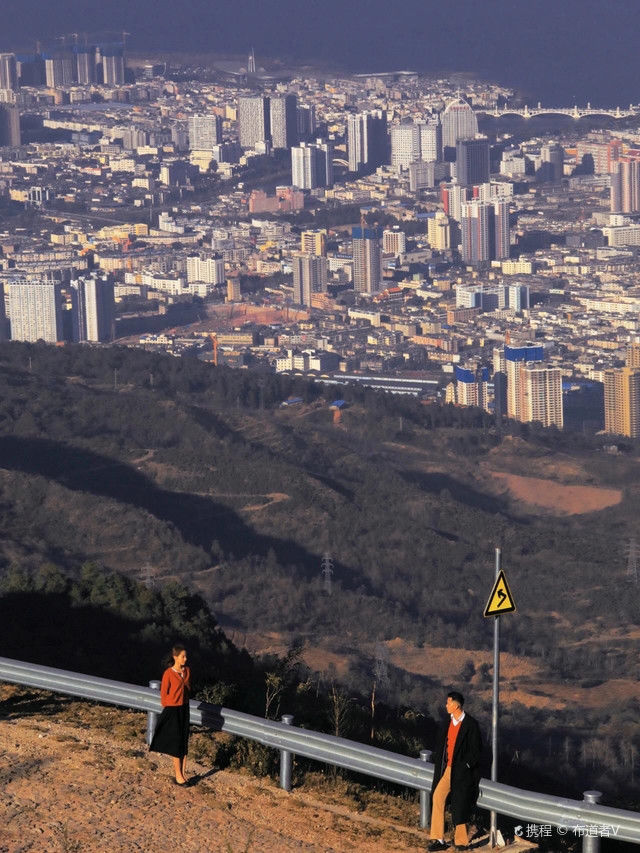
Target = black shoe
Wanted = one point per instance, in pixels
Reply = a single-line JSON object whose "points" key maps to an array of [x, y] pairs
{"points": [[438, 845]]}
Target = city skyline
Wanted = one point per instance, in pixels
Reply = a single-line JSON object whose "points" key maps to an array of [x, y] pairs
{"points": [[550, 52]]}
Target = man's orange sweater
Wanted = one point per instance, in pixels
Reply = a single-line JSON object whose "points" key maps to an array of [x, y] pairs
{"points": [[452, 736]]}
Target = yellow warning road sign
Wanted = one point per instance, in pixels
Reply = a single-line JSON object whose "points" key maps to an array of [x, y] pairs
{"points": [[500, 601]]}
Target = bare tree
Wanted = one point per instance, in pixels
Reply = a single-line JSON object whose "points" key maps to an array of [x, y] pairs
{"points": [[380, 680], [339, 715], [278, 679]]}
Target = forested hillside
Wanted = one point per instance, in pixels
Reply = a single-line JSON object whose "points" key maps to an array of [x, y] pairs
{"points": [[169, 470]]}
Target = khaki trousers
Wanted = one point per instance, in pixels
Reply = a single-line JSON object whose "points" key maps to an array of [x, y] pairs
{"points": [[461, 837]]}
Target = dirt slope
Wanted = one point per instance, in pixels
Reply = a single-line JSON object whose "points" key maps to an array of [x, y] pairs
{"points": [[77, 778]]}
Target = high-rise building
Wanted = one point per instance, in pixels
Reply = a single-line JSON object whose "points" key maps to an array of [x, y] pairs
{"points": [[514, 357], [472, 161], [85, 65], [453, 196], [405, 145], [622, 401], [306, 122], [314, 242], [253, 120], [394, 242], [552, 165], [309, 276], [304, 167], [476, 233], [633, 355], [367, 262], [312, 165], [501, 233], [234, 293], [367, 141], [8, 71], [458, 122], [499, 383], [516, 297], [471, 386], [31, 70], [625, 186], [422, 175], [601, 156], [93, 308], [180, 138], [112, 64], [209, 269], [9, 126], [205, 132], [439, 231], [431, 139], [615, 190], [4, 323], [283, 112], [251, 63], [477, 296], [485, 231], [59, 70], [540, 388], [35, 310]]}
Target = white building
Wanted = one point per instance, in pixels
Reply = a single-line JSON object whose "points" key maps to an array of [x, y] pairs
{"points": [[209, 269], [309, 276], [205, 132], [394, 242], [253, 121], [405, 145], [35, 311], [312, 165], [92, 305], [458, 122]]}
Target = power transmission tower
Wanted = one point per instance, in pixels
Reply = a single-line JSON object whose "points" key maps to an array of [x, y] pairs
{"points": [[148, 573], [632, 554], [327, 572]]}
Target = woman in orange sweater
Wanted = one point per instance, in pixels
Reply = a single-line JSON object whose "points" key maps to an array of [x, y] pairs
{"points": [[171, 736]]}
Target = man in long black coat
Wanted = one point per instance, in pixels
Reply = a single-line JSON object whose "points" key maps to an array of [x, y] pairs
{"points": [[456, 773]]}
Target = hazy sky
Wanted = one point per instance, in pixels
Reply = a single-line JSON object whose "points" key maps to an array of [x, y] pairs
{"points": [[556, 49]]}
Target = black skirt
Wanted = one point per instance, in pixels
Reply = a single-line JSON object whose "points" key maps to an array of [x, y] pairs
{"points": [[171, 736]]}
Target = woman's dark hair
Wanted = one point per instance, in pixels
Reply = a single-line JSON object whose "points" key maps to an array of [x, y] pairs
{"points": [[175, 651]]}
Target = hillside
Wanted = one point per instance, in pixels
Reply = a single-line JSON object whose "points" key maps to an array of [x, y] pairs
{"points": [[169, 469]]}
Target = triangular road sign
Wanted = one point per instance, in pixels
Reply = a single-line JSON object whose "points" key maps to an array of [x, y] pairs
{"points": [[500, 601]]}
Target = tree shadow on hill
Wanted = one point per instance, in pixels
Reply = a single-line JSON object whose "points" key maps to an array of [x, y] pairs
{"points": [[199, 519], [436, 482], [47, 629], [52, 629]]}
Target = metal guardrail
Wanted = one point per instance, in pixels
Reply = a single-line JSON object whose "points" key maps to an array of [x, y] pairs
{"points": [[585, 818]]}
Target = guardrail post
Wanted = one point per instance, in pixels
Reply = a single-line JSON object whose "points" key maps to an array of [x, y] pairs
{"points": [[285, 758], [425, 796], [152, 716], [591, 843]]}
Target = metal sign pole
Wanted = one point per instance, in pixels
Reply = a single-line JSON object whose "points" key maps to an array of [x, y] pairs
{"points": [[493, 834]]}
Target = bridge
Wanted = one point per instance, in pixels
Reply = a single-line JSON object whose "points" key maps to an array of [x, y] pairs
{"points": [[574, 112]]}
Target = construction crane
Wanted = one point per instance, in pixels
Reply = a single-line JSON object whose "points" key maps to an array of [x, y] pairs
{"points": [[124, 38]]}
